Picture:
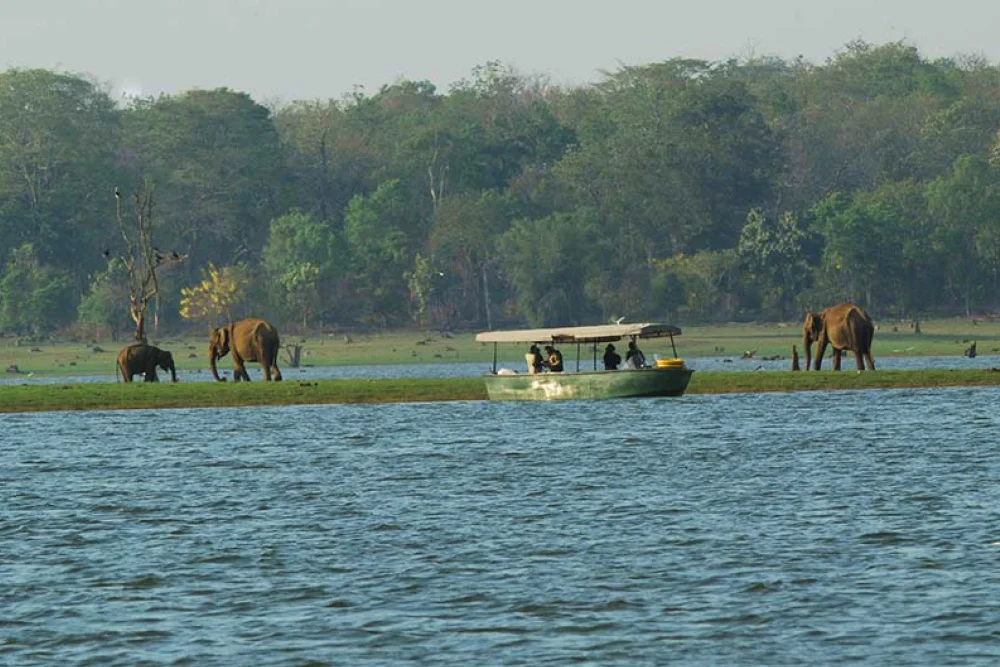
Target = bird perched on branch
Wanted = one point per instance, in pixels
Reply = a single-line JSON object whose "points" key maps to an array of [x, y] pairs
{"points": [[171, 257]]}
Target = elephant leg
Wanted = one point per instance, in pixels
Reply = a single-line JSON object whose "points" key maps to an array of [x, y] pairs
{"points": [[860, 359], [262, 356], [272, 361], [837, 356], [820, 351], [871, 362], [239, 368], [151, 375]]}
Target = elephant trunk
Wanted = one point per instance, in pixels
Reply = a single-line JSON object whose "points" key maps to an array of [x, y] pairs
{"points": [[211, 360], [173, 371]]}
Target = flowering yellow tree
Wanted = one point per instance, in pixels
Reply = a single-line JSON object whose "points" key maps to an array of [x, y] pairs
{"points": [[213, 298]]}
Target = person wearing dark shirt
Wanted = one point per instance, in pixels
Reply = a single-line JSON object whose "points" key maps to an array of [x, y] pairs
{"points": [[634, 358], [555, 360], [535, 361], [611, 358]]}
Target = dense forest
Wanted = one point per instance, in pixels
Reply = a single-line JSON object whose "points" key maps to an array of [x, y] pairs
{"points": [[683, 190]]}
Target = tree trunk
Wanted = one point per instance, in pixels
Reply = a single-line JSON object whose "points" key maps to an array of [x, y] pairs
{"points": [[294, 355], [140, 327], [486, 300]]}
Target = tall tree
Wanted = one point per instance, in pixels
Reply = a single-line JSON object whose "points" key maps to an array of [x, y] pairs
{"points": [[378, 256], [965, 207], [684, 153], [549, 263], [330, 156], [217, 163], [772, 253], [57, 138], [33, 297], [299, 261], [463, 241], [105, 306]]}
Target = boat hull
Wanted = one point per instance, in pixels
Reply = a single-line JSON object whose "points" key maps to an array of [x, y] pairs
{"points": [[589, 385]]}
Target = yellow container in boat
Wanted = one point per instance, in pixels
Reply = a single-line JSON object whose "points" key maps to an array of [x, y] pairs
{"points": [[669, 363]]}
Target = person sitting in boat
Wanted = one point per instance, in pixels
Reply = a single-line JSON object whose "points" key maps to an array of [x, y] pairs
{"points": [[611, 358], [554, 363], [634, 358], [534, 359]]}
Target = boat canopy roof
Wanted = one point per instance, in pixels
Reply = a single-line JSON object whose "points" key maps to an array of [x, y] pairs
{"points": [[596, 334]]}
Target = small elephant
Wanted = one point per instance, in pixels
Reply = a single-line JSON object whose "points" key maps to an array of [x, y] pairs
{"points": [[142, 359], [252, 339], [845, 327]]}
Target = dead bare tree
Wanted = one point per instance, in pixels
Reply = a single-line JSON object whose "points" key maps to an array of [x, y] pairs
{"points": [[294, 352], [141, 257]]}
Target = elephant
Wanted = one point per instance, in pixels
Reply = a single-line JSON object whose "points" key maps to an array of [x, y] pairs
{"points": [[252, 339], [140, 358], [845, 327]]}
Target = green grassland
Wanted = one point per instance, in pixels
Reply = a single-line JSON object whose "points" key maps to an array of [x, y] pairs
{"points": [[938, 338], [54, 359]]}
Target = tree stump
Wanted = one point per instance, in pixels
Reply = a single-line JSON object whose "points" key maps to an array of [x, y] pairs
{"points": [[294, 353]]}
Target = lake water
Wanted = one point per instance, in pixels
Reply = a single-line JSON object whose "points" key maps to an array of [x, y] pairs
{"points": [[771, 529]]}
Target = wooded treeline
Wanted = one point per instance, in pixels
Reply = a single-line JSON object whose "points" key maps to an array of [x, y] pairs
{"points": [[683, 190]]}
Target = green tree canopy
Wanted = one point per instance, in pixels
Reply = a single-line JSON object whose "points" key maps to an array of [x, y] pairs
{"points": [[34, 298]]}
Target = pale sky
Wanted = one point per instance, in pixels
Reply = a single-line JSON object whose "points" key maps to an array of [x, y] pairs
{"points": [[284, 50]]}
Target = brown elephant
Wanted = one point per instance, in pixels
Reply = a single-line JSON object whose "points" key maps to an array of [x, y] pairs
{"points": [[845, 327], [252, 339], [142, 359]]}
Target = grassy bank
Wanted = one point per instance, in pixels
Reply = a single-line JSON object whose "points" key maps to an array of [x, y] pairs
{"points": [[140, 395], [107, 396], [939, 338]]}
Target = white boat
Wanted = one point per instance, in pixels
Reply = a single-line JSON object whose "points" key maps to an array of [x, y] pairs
{"points": [[667, 377]]}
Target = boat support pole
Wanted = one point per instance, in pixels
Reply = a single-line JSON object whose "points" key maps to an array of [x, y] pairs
{"points": [[673, 346], [495, 358]]}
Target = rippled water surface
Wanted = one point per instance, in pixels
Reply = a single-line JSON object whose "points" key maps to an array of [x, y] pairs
{"points": [[799, 528]]}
